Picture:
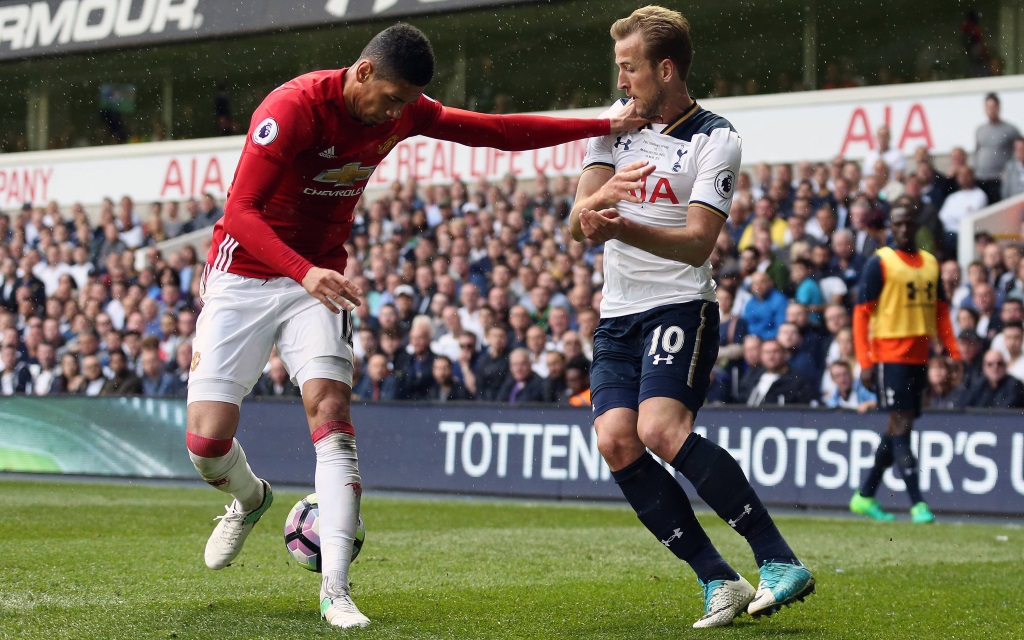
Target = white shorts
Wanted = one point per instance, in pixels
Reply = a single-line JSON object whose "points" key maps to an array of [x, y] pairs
{"points": [[243, 318]]}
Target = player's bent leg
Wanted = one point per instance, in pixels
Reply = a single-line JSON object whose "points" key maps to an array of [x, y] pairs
{"points": [[662, 506], [221, 462], [720, 482], [339, 488]]}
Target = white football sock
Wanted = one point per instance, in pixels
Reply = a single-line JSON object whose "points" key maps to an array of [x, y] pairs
{"points": [[230, 473], [338, 489]]}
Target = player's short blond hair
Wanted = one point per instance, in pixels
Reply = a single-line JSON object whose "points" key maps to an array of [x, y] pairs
{"points": [[665, 33]]}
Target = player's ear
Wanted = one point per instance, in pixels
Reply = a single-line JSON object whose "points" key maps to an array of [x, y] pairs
{"points": [[364, 70], [666, 70]]}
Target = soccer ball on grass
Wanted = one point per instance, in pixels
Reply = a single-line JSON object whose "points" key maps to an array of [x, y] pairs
{"points": [[302, 534]]}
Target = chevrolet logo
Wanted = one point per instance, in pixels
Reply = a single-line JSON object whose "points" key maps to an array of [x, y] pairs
{"points": [[347, 175]]}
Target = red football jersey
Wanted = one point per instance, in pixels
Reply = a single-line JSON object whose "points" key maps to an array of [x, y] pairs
{"points": [[324, 158], [306, 162]]}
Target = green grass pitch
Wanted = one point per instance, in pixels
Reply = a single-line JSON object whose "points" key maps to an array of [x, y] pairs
{"points": [[125, 561]]}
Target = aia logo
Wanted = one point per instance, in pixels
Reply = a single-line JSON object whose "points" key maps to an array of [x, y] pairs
{"points": [[662, 191], [266, 132]]}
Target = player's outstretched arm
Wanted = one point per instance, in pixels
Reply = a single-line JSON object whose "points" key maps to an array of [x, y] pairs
{"points": [[520, 132], [600, 188]]}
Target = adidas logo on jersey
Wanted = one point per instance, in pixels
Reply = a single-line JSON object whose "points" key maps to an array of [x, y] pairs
{"points": [[327, 154]]}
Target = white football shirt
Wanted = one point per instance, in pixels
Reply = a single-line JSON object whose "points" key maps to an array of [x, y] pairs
{"points": [[697, 158]]}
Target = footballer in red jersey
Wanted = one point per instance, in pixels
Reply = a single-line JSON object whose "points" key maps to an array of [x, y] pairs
{"points": [[274, 274]]}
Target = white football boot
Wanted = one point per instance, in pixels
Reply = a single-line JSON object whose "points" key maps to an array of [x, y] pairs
{"points": [[723, 601], [229, 535], [339, 611]]}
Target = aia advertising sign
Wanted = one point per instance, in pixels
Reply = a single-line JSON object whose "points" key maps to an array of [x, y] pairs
{"points": [[813, 126]]}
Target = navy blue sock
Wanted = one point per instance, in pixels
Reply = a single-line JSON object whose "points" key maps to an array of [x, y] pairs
{"points": [[662, 506], [883, 460], [720, 482], [906, 464]]}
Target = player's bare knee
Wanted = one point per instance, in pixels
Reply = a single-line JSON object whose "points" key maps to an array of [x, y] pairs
{"points": [[209, 419], [326, 407], [618, 448], [663, 435]]}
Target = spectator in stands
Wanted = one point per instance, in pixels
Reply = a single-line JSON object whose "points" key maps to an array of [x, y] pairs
{"points": [[766, 310], [156, 381], [417, 363], [995, 389], [732, 330], [941, 392], [181, 368], [94, 378], [522, 385], [209, 211], [983, 301], [8, 283], [555, 385], [537, 346], [802, 360], [777, 384], [447, 344], [15, 377], [123, 381], [972, 347], [1012, 178], [170, 220], [1010, 347], [276, 382], [994, 148], [846, 262], [893, 158], [444, 387], [45, 371], [805, 289], [69, 378], [968, 199], [577, 379], [378, 384], [493, 365], [849, 392], [1011, 312]]}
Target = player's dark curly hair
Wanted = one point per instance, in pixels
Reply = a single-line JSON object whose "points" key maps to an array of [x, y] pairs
{"points": [[401, 52]]}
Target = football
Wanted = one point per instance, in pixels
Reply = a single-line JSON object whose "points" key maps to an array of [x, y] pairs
{"points": [[302, 534]]}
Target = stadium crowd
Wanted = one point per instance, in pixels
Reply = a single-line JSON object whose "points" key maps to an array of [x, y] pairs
{"points": [[476, 291]]}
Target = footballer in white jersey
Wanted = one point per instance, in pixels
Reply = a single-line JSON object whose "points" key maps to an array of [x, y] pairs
{"points": [[657, 198], [696, 159]]}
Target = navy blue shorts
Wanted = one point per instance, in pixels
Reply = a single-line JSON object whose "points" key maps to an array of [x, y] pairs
{"points": [[901, 386], [667, 352]]}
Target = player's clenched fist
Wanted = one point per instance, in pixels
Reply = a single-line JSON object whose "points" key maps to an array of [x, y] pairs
{"points": [[332, 289], [627, 184]]}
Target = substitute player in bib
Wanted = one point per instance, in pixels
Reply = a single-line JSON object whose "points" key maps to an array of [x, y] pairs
{"points": [[273, 274], [901, 307], [657, 198]]}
